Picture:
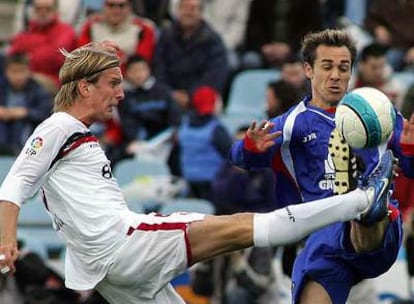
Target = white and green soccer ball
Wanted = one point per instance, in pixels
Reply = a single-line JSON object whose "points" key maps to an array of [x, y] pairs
{"points": [[365, 117]]}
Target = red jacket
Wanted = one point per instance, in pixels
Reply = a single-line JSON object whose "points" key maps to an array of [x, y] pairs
{"points": [[42, 44]]}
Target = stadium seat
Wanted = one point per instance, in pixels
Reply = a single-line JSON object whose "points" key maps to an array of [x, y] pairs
{"points": [[33, 214], [41, 240], [5, 164], [405, 78], [234, 122], [127, 169], [188, 205], [35, 229], [248, 92]]}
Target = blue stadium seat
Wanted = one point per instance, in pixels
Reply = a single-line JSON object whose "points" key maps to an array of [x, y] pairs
{"points": [[248, 92], [188, 205], [33, 213], [234, 122], [127, 169], [405, 78], [5, 164], [42, 240]]}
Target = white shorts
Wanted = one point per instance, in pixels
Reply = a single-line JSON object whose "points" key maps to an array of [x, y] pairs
{"points": [[156, 251]]}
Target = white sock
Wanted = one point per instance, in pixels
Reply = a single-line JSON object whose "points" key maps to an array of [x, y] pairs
{"points": [[294, 222]]}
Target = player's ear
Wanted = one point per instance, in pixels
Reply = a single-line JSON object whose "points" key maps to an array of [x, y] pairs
{"points": [[83, 87], [308, 70]]}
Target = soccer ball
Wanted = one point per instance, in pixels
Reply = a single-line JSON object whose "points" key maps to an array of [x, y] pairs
{"points": [[365, 117]]}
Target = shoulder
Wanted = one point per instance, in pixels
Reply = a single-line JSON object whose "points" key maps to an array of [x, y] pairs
{"points": [[144, 23], [60, 125], [208, 33]]}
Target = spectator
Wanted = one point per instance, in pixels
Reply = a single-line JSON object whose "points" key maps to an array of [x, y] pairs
{"points": [[190, 54], [238, 190], [72, 12], [275, 28], [391, 24], [134, 35], [407, 107], [280, 96], [204, 142], [41, 41], [148, 107], [23, 104], [373, 70], [229, 19], [292, 72]]}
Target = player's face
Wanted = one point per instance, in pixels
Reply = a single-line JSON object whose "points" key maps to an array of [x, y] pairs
{"points": [[106, 93], [373, 71], [329, 75]]}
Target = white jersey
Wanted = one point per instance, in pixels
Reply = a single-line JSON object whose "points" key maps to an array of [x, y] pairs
{"points": [[66, 163]]}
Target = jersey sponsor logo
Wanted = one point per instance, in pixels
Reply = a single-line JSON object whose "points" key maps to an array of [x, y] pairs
{"points": [[35, 146], [328, 182], [309, 137]]}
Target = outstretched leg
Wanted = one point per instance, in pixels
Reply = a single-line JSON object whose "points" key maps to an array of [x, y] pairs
{"points": [[220, 234]]}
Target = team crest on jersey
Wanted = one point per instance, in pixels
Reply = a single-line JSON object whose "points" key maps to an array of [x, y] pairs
{"points": [[35, 146]]}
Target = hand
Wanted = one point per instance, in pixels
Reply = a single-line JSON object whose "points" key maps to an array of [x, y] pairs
{"points": [[8, 255], [4, 114], [261, 136], [17, 113], [132, 148], [407, 135], [182, 98]]}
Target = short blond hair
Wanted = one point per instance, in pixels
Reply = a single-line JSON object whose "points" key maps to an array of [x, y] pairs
{"points": [[86, 62]]}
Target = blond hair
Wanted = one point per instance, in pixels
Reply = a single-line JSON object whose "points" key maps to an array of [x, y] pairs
{"points": [[86, 62]]}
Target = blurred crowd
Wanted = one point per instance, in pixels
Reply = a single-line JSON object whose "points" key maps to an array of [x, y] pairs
{"points": [[179, 59]]}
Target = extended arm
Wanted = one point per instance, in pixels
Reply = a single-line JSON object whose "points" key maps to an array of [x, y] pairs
{"points": [[8, 242]]}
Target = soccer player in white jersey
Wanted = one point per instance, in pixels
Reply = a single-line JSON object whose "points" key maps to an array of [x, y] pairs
{"points": [[129, 257]]}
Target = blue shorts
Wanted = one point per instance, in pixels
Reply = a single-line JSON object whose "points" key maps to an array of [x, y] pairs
{"points": [[329, 260]]}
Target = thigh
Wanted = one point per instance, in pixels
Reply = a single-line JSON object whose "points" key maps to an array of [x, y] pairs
{"points": [[156, 251], [322, 261], [314, 292], [115, 294]]}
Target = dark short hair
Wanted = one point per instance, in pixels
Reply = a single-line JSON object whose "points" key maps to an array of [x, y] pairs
{"points": [[286, 93], [294, 58], [135, 59], [373, 50], [16, 58], [328, 37]]}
